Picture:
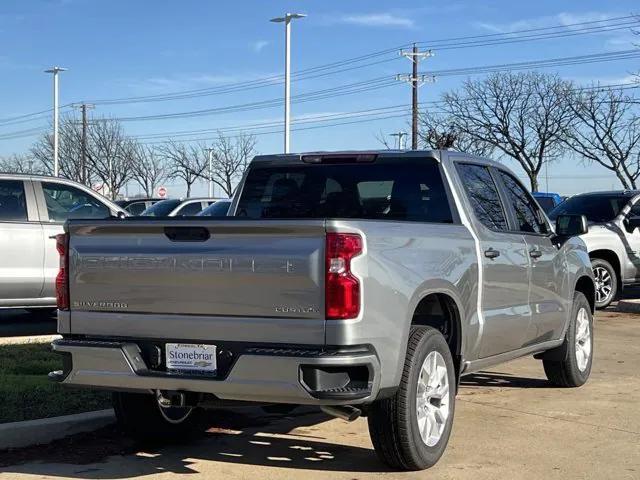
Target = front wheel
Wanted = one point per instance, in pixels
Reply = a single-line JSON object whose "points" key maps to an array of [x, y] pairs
{"points": [[570, 364], [142, 417], [606, 282], [410, 430]]}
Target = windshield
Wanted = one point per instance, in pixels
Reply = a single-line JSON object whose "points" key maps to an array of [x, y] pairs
{"points": [[161, 209], [217, 209], [385, 191], [597, 208]]}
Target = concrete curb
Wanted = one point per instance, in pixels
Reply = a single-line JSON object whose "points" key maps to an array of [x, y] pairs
{"points": [[629, 306], [31, 339], [39, 432]]}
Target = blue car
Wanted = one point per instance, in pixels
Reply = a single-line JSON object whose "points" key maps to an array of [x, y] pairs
{"points": [[548, 200]]}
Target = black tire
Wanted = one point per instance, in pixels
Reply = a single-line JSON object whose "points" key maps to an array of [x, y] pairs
{"points": [[393, 422], [140, 416], [598, 264], [561, 365]]}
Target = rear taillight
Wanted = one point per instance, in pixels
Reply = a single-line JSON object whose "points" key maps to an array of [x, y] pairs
{"points": [[62, 279], [342, 288]]}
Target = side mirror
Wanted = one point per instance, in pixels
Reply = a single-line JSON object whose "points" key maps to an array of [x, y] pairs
{"points": [[121, 215], [571, 225], [633, 223]]}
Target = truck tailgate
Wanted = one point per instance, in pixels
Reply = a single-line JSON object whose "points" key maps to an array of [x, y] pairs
{"points": [[226, 268]]}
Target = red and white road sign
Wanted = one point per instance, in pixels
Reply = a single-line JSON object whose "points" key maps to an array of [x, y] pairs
{"points": [[162, 192]]}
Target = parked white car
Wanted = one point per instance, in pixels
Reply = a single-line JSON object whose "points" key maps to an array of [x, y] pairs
{"points": [[178, 207], [33, 209]]}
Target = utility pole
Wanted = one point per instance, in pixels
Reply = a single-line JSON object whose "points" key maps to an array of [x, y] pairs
{"points": [[85, 125], [287, 71], [400, 136], [55, 71], [210, 152], [416, 80]]}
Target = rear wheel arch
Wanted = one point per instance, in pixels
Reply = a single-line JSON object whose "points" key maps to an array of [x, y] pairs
{"points": [[585, 285], [441, 311]]}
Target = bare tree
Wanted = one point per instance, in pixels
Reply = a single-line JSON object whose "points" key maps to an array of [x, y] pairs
{"points": [[149, 169], [69, 150], [111, 154], [605, 130], [231, 155], [440, 132], [186, 163], [522, 115], [16, 163], [384, 141]]}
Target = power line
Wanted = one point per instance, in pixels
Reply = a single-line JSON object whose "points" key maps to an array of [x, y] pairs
{"points": [[438, 44], [379, 82], [301, 128], [543, 33], [524, 35], [374, 111]]}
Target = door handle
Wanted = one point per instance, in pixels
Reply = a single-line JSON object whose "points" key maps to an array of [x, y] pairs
{"points": [[491, 253], [535, 253]]}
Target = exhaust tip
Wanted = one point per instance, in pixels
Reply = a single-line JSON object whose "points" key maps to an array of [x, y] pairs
{"points": [[344, 412]]}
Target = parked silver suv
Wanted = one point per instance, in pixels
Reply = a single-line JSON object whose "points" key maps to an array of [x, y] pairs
{"points": [[33, 210], [613, 239], [362, 282]]}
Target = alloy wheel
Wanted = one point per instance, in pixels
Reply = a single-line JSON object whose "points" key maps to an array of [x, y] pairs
{"points": [[604, 284], [432, 401], [583, 339]]}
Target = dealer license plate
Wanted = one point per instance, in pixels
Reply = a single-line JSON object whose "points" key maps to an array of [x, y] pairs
{"points": [[189, 357]]}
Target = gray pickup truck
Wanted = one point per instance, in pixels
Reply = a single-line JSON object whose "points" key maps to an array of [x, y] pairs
{"points": [[366, 283]]}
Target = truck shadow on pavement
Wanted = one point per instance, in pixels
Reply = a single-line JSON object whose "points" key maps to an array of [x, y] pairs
{"points": [[252, 439], [499, 379]]}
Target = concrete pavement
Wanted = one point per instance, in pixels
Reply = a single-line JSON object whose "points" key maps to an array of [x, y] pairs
{"points": [[510, 423]]}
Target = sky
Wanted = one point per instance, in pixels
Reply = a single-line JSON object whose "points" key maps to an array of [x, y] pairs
{"points": [[122, 49]]}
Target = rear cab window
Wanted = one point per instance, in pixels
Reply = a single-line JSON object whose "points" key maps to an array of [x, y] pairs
{"points": [[13, 202], [382, 190]]}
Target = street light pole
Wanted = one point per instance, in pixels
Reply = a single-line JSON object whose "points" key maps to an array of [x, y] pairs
{"points": [[55, 71], [210, 151], [287, 72]]}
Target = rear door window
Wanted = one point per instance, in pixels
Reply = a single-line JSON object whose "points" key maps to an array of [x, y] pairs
{"points": [[381, 191], [67, 202], [13, 202], [483, 195]]}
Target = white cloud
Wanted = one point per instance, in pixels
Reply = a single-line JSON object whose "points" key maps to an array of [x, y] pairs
{"points": [[181, 82], [602, 79], [563, 18], [378, 20], [258, 45]]}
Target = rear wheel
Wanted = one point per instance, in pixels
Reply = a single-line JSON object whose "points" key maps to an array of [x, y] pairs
{"points": [[606, 282], [570, 364], [142, 417], [410, 430]]}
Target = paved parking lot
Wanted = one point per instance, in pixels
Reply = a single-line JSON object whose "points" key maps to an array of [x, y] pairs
{"points": [[509, 424]]}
